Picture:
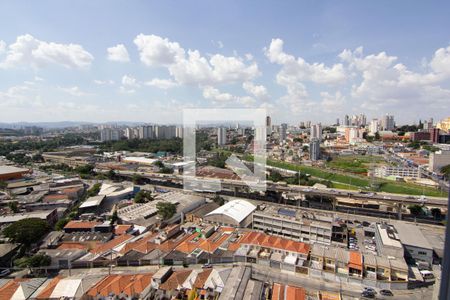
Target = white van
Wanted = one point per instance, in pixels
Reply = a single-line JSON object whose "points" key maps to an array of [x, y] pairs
{"points": [[427, 276]]}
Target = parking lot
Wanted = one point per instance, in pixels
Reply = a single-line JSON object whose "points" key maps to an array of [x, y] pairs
{"points": [[362, 240]]}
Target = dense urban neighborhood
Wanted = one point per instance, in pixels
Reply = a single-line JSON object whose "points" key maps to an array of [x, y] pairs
{"points": [[101, 211]]}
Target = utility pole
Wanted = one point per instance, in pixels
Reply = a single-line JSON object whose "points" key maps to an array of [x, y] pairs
{"points": [[444, 291]]}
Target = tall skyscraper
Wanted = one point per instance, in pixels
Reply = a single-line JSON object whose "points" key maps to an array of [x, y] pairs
{"points": [[283, 132], [314, 149], [346, 120], [268, 125], [387, 122], [373, 127], [221, 136], [337, 122], [316, 132]]}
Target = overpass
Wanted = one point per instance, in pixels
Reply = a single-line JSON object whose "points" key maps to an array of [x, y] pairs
{"points": [[203, 184]]}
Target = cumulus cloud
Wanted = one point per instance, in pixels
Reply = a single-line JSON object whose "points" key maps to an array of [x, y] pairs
{"points": [[300, 70], [118, 53], [384, 84], [129, 84], [258, 91], [2, 47], [29, 51], [190, 67], [157, 51], [212, 93], [103, 82], [163, 84]]}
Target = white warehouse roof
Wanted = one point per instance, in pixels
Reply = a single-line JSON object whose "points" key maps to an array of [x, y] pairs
{"points": [[235, 209]]}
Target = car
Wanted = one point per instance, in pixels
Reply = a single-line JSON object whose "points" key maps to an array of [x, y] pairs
{"points": [[369, 289], [367, 294], [365, 223], [207, 266], [386, 293], [5, 272]]}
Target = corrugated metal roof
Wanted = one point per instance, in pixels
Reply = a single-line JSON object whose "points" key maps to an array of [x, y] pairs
{"points": [[235, 209]]}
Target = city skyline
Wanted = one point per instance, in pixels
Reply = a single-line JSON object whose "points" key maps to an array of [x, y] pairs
{"points": [[321, 62]]}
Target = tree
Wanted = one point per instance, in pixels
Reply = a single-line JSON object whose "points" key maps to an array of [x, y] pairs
{"points": [[446, 171], [415, 210], [377, 136], [35, 261], [143, 197], [219, 200], [159, 164], [275, 176], [166, 209], [111, 175], [13, 206], [136, 178], [61, 223], [94, 190], [436, 213], [3, 185], [26, 231]]}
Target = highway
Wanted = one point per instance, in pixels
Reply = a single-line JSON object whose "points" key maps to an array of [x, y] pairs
{"points": [[383, 198]]}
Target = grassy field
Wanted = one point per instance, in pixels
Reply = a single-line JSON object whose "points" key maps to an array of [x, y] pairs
{"points": [[358, 164], [356, 182]]}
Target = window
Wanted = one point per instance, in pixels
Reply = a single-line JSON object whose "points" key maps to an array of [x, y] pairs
{"points": [[421, 253]]}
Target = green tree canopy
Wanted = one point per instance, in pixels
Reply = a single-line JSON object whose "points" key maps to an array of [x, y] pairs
{"points": [[26, 231], [446, 171], [416, 210], [166, 209], [143, 196], [35, 261]]}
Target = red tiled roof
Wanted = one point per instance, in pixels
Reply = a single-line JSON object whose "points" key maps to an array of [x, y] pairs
{"points": [[201, 278], [175, 280], [261, 239], [55, 197], [277, 291], [8, 290], [112, 243], [48, 290], [121, 229], [118, 284], [81, 225], [355, 260], [295, 293]]}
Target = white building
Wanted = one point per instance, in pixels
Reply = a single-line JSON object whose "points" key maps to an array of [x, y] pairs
{"points": [[438, 160], [233, 213], [221, 136], [109, 134], [316, 131], [404, 172], [374, 126]]}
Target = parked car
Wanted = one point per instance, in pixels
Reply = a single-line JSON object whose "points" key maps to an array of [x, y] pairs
{"points": [[369, 289], [207, 266], [5, 272], [386, 293], [367, 294]]}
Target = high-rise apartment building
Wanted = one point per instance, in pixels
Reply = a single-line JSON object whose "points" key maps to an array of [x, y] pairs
{"points": [[374, 126], [387, 122], [316, 132], [283, 132], [268, 125], [314, 149], [109, 134], [221, 136]]}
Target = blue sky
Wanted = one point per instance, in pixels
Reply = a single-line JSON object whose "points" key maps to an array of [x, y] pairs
{"points": [[302, 60]]}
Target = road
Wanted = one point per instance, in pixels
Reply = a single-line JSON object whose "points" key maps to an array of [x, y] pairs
{"points": [[387, 198]]}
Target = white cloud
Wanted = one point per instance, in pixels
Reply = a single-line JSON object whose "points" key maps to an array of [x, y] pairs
{"points": [[118, 53], [299, 70], [74, 91], [332, 103], [217, 44], [129, 84], [190, 67], [163, 84], [212, 93], [383, 84], [258, 91], [2, 47], [103, 82], [29, 51], [158, 51], [441, 62], [129, 81]]}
